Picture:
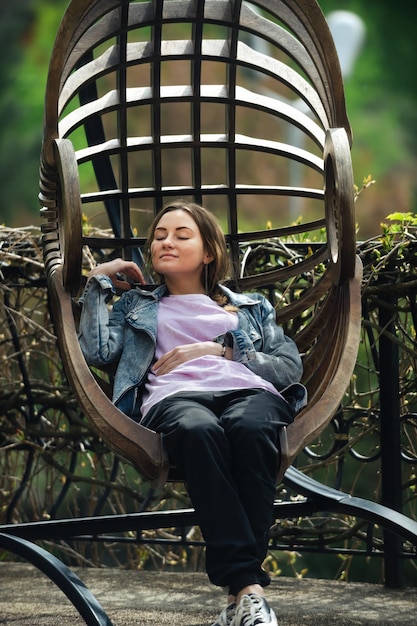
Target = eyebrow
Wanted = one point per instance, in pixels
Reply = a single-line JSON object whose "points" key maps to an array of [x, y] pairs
{"points": [[178, 228]]}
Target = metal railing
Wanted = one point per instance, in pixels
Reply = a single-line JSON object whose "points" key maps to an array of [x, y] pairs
{"points": [[59, 482]]}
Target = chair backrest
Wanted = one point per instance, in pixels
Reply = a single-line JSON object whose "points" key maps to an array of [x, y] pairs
{"points": [[238, 106]]}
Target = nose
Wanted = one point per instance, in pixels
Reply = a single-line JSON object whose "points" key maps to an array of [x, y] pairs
{"points": [[167, 242]]}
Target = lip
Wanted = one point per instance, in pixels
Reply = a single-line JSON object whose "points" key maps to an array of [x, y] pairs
{"points": [[168, 256]]}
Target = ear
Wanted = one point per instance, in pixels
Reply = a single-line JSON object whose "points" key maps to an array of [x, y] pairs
{"points": [[208, 258]]}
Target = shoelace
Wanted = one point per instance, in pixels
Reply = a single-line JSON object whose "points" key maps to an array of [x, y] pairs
{"points": [[230, 613], [253, 611], [226, 616]]}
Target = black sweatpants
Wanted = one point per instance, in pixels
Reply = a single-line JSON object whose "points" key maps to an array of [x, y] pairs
{"points": [[226, 446]]}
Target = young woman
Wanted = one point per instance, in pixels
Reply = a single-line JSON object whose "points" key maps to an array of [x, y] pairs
{"points": [[210, 370]]}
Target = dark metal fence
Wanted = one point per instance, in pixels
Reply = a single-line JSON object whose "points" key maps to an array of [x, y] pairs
{"points": [[53, 467]]}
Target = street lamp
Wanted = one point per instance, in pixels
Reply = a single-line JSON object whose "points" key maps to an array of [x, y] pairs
{"points": [[348, 31]]}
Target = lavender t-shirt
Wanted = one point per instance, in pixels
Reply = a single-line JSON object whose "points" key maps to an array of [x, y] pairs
{"points": [[188, 319]]}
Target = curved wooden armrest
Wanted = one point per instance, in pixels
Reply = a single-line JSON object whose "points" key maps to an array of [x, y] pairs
{"points": [[137, 444], [326, 400], [339, 204]]}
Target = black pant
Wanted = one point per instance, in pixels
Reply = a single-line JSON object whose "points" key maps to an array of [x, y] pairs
{"points": [[226, 445]]}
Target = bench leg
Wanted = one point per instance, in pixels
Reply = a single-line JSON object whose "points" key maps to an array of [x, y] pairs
{"points": [[331, 499], [73, 587]]}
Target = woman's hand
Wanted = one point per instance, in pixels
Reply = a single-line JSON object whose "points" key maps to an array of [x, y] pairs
{"points": [[182, 354], [119, 266]]}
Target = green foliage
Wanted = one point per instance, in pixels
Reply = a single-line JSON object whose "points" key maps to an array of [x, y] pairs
{"points": [[380, 94], [27, 32], [403, 221]]}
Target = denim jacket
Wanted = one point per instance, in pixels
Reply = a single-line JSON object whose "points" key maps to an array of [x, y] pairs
{"points": [[126, 335]]}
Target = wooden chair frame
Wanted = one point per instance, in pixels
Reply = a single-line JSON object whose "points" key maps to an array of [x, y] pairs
{"points": [[304, 61]]}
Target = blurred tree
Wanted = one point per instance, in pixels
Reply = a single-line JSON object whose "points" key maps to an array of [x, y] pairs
{"points": [[391, 43], [381, 102], [27, 32], [15, 21]]}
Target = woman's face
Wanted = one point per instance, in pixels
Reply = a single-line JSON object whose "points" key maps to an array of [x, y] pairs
{"points": [[177, 248]]}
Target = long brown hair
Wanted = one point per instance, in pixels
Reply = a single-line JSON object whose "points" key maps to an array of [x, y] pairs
{"points": [[214, 242]]}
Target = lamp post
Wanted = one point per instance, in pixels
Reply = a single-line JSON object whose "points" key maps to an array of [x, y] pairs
{"points": [[348, 31]]}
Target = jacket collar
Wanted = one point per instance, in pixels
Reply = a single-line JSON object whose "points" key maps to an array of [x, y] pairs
{"points": [[237, 299], [156, 293]]}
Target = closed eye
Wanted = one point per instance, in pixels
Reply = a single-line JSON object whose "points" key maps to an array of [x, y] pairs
{"points": [[161, 238]]}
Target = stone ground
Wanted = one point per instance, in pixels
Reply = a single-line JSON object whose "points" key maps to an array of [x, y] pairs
{"points": [[29, 598]]}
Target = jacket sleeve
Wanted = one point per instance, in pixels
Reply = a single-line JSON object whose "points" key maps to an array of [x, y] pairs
{"points": [[101, 334], [265, 349]]}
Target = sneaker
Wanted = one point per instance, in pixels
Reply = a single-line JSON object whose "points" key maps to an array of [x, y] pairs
{"points": [[226, 616], [254, 610]]}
